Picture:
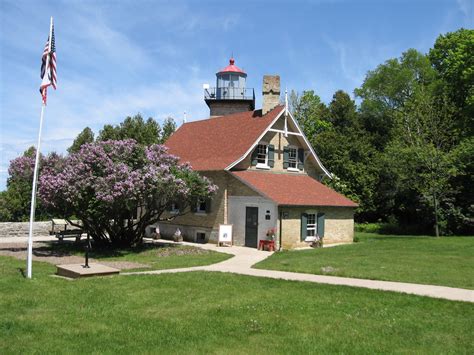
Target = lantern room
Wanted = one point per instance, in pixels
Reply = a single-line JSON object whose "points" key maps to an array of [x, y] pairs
{"points": [[230, 94]]}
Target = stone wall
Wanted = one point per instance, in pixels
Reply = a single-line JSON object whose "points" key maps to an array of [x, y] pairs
{"points": [[339, 225], [21, 229]]}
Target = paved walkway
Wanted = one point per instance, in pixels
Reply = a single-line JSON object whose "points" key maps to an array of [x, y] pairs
{"points": [[244, 258], [11, 240]]}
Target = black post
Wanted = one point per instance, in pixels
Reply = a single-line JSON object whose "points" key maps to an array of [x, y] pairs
{"points": [[88, 247]]}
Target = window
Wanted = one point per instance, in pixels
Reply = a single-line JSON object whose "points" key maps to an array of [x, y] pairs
{"points": [[311, 225], [174, 209], [292, 158], [201, 206], [200, 237], [262, 154]]}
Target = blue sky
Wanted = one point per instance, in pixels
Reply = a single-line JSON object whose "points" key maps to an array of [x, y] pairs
{"points": [[118, 58]]}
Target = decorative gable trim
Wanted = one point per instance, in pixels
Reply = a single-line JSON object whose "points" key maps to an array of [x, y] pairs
{"points": [[299, 133], [328, 174]]}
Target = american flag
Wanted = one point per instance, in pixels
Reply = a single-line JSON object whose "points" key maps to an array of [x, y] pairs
{"points": [[48, 66]]}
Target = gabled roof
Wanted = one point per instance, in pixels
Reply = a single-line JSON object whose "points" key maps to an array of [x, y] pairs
{"points": [[215, 143], [292, 189]]}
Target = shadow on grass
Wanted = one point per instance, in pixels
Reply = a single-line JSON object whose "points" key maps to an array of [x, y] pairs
{"points": [[22, 272], [67, 248]]}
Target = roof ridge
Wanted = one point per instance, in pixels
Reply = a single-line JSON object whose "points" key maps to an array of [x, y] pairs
{"points": [[232, 114]]}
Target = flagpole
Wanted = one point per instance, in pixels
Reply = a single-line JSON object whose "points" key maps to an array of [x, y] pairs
{"points": [[33, 196], [29, 259], [286, 113]]}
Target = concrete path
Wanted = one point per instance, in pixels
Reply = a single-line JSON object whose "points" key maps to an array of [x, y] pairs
{"points": [[244, 258], [11, 240]]}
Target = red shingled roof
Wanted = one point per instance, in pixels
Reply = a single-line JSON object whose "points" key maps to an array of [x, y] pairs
{"points": [[293, 189], [215, 143]]}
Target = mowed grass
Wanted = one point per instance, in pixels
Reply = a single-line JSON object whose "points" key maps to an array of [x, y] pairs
{"points": [[154, 256], [210, 313], [446, 261]]}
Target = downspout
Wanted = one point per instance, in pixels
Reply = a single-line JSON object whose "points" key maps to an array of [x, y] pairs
{"points": [[225, 206], [279, 231]]}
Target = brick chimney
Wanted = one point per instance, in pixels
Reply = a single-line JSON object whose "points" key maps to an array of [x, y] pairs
{"points": [[270, 92]]}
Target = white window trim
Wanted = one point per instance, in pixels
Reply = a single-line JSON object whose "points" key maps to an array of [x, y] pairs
{"points": [[263, 165], [296, 161], [315, 225]]}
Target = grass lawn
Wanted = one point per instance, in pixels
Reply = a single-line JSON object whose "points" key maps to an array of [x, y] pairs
{"points": [[203, 312], [155, 256], [446, 261]]}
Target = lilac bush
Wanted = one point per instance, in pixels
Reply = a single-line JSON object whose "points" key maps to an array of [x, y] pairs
{"points": [[106, 183]]}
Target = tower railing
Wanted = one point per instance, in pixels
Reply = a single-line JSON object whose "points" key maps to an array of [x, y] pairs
{"points": [[229, 93]]}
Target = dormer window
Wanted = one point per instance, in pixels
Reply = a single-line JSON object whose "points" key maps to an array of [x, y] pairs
{"points": [[263, 156], [292, 158]]}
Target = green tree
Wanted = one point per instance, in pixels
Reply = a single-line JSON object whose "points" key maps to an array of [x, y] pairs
{"points": [[86, 136], [342, 110], [15, 201], [310, 112], [422, 148], [169, 127], [452, 57], [386, 90], [459, 210], [144, 132]]}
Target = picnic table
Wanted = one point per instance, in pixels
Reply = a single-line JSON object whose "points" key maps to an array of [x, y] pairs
{"points": [[59, 228]]}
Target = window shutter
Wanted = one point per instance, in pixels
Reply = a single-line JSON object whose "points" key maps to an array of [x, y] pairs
{"points": [[271, 155], [300, 158], [286, 157], [194, 203], [304, 226], [320, 225], [208, 205], [254, 156]]}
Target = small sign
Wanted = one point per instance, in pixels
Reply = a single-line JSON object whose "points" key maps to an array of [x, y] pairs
{"points": [[225, 234]]}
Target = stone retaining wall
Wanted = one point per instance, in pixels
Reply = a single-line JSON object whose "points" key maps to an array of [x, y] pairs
{"points": [[21, 229]]}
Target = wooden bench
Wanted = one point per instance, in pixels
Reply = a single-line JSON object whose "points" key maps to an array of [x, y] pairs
{"points": [[58, 224], [77, 233]]}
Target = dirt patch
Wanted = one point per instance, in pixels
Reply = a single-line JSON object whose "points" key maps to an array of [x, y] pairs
{"points": [[178, 251], [43, 252]]}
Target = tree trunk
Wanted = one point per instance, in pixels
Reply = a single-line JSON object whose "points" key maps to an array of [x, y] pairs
{"points": [[435, 202]]}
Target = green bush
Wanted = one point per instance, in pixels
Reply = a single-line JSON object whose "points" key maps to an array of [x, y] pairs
{"points": [[392, 228], [367, 227]]}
